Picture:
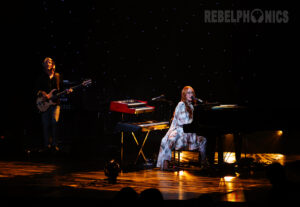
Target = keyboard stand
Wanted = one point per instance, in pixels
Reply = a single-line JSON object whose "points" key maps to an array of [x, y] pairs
{"points": [[144, 128], [137, 143], [141, 148]]}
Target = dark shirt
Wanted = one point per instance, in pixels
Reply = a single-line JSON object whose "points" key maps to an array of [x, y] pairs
{"points": [[44, 83]]}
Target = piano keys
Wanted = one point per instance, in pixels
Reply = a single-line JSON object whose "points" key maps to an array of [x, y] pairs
{"points": [[135, 107], [131, 106], [132, 128], [141, 126]]}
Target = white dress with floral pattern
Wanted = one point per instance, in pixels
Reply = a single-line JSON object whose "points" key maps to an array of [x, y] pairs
{"points": [[175, 138]]}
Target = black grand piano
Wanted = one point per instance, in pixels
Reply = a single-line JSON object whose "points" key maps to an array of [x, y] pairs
{"points": [[214, 121]]}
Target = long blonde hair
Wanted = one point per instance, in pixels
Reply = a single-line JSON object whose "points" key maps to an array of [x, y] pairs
{"points": [[53, 63]]}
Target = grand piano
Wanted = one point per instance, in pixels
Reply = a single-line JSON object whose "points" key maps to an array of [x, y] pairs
{"points": [[214, 121]]}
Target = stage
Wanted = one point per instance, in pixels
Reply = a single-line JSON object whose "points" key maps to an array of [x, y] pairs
{"points": [[78, 179], [243, 71]]}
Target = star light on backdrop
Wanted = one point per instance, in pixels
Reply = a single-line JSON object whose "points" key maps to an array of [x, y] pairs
{"points": [[140, 51]]}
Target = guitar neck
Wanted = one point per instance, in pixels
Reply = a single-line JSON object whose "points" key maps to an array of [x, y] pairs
{"points": [[65, 91]]}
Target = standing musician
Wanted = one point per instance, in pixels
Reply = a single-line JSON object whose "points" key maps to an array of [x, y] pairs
{"points": [[176, 138], [47, 84]]}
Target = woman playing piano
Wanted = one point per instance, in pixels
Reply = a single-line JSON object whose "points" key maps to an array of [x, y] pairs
{"points": [[176, 138]]}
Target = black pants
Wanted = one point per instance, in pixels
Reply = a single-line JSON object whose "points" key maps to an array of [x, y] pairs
{"points": [[50, 120]]}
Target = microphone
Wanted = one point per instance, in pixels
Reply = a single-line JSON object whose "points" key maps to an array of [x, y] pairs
{"points": [[158, 97], [197, 99]]}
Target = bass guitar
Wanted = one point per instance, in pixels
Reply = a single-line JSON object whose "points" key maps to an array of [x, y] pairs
{"points": [[44, 100]]}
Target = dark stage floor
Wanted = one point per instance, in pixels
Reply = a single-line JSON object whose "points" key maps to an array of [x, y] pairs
{"points": [[79, 175], [52, 177]]}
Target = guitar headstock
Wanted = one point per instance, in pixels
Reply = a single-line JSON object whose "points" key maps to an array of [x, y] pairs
{"points": [[87, 82]]}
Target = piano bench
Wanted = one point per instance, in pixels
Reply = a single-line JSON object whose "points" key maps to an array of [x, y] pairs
{"points": [[178, 164], [178, 157]]}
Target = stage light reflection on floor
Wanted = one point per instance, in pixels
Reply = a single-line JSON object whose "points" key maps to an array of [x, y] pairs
{"points": [[9, 169], [229, 157], [183, 184], [232, 189], [180, 185]]}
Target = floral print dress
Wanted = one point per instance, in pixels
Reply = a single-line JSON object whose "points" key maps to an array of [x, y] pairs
{"points": [[177, 139]]}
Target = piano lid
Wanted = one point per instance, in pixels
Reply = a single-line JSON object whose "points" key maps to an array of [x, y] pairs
{"points": [[225, 106]]}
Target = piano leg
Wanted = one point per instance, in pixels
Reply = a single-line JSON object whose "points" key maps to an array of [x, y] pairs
{"points": [[220, 149], [238, 141], [211, 148], [122, 146], [215, 143]]}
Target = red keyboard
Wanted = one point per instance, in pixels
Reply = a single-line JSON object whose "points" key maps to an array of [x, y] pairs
{"points": [[131, 106]]}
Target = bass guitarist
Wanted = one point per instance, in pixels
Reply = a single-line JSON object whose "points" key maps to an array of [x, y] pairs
{"points": [[47, 85]]}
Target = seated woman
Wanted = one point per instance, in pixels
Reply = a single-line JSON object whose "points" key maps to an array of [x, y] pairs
{"points": [[176, 138]]}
